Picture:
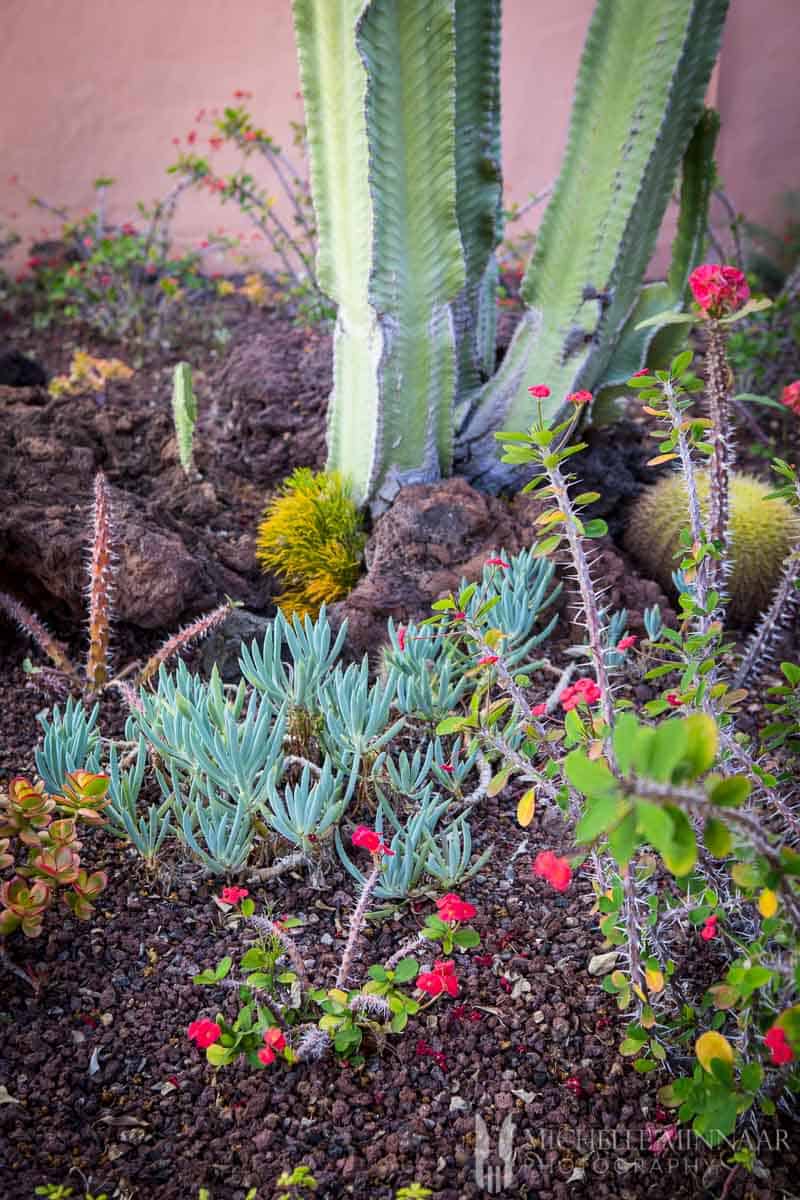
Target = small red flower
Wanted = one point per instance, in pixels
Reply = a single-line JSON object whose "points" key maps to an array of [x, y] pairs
{"points": [[584, 689], [105, 281], [555, 870], [274, 1038], [673, 699], [458, 616], [191, 137], [640, 374], [232, 895], [718, 289], [370, 840], [204, 1032], [453, 908], [776, 1042], [539, 392], [539, 710], [447, 768], [580, 398], [33, 263], [709, 930], [574, 1085], [250, 135], [627, 642], [497, 562], [487, 660], [88, 243], [790, 396], [216, 143], [441, 979], [401, 637], [266, 1056], [239, 94]]}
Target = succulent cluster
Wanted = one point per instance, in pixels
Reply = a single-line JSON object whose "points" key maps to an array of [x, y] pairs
{"points": [[39, 839]]}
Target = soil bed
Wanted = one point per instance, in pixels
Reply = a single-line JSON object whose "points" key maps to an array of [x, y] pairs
{"points": [[102, 1086]]}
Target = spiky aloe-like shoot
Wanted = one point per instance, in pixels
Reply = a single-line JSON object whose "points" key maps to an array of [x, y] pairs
{"points": [[762, 534], [312, 537], [100, 580]]}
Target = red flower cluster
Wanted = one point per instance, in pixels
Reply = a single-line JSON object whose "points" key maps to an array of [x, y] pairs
{"points": [[539, 710], [555, 870], [441, 979], [488, 660], [582, 689], [452, 908], [539, 392], [371, 841], [719, 289], [274, 1041], [776, 1042], [709, 930], [790, 396], [674, 700], [204, 1032], [497, 562], [580, 398], [627, 642], [423, 1050], [232, 895], [401, 637]]}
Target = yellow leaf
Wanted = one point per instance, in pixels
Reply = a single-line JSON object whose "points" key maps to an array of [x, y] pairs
{"points": [[555, 514], [767, 903], [526, 808], [655, 981], [712, 1045], [493, 637], [660, 458], [640, 993], [338, 995]]}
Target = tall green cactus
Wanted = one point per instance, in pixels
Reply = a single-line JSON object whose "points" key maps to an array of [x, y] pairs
{"points": [[402, 108], [639, 96]]}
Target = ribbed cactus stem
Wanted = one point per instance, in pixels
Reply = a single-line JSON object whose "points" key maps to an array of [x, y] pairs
{"points": [[357, 922], [773, 620], [179, 641], [591, 612], [100, 582], [29, 623], [720, 466]]}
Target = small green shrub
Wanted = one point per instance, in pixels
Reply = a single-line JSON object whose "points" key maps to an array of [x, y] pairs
{"points": [[312, 537]]}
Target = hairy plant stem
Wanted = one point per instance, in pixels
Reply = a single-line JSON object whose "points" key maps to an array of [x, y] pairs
{"points": [[29, 623], [632, 928], [591, 613], [406, 948], [289, 946], [279, 868], [718, 395], [99, 591], [772, 620], [357, 921], [695, 801]]}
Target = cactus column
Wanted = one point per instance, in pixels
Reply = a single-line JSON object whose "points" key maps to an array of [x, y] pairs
{"points": [[379, 87]]}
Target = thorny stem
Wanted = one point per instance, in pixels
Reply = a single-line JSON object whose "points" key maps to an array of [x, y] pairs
{"points": [[289, 946], [357, 921], [99, 590], [405, 949], [594, 627], [632, 927], [30, 624], [696, 802], [179, 641], [279, 868], [687, 468], [771, 621], [504, 675], [718, 393]]}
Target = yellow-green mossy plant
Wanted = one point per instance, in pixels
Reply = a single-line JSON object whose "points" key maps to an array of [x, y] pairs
{"points": [[312, 537], [762, 533]]}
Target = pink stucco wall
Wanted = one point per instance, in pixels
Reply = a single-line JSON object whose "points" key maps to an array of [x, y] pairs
{"points": [[100, 87]]}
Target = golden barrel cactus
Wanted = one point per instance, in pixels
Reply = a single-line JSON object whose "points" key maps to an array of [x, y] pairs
{"points": [[762, 534]]}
